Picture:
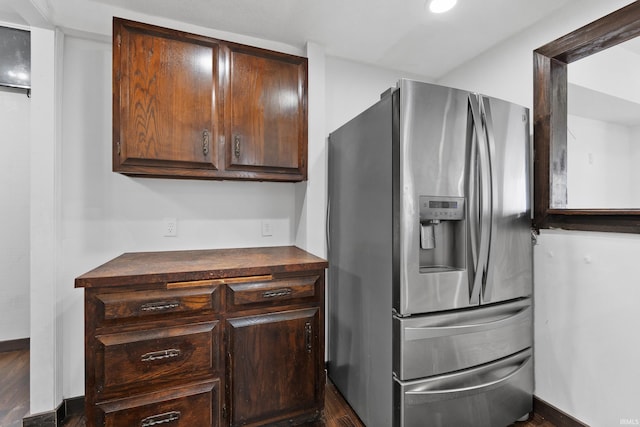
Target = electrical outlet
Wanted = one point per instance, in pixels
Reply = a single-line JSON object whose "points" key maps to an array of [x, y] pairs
{"points": [[267, 228], [170, 227]]}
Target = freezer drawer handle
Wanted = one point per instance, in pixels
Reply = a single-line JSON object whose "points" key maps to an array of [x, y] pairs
{"points": [[475, 388], [154, 420], [414, 334]]}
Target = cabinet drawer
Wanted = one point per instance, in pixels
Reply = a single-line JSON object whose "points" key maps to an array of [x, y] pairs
{"points": [[270, 291], [196, 405], [156, 355], [146, 303]]}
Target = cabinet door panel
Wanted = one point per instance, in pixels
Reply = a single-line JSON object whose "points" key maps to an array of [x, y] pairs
{"points": [[267, 111], [273, 370], [164, 98]]}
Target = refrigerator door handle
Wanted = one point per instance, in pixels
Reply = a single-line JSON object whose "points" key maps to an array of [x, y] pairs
{"points": [[491, 149], [475, 388], [473, 215], [427, 332], [484, 199]]}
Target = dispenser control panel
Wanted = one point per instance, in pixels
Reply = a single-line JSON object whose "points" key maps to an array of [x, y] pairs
{"points": [[441, 208]]}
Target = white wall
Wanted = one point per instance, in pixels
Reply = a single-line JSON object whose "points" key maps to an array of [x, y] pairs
{"points": [[45, 373], [14, 215], [599, 156], [612, 71], [352, 87], [635, 160], [586, 354]]}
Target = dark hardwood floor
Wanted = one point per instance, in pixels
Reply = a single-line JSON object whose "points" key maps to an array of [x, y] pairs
{"points": [[14, 387], [14, 399]]}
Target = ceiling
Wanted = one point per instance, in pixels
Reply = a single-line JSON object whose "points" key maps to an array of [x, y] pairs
{"points": [[400, 35]]}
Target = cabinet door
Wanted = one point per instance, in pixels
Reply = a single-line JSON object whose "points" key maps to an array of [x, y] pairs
{"points": [[164, 101], [267, 113], [275, 366]]}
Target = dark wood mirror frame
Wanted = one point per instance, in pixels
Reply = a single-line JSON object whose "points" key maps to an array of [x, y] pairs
{"points": [[550, 124]]}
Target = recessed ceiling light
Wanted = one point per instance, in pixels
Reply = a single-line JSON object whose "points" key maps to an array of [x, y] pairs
{"points": [[441, 6]]}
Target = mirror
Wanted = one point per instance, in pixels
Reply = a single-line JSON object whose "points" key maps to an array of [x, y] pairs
{"points": [[603, 129], [591, 196]]}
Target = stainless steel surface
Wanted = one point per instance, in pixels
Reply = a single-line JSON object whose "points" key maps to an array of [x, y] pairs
{"points": [[510, 273], [435, 344], [433, 137], [360, 263], [447, 135], [416, 294], [492, 395], [481, 207]]}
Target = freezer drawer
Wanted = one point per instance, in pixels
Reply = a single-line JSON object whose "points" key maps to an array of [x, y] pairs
{"points": [[431, 345], [492, 395]]}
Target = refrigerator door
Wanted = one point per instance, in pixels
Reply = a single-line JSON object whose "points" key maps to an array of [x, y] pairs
{"points": [[433, 137], [454, 144], [435, 344], [509, 268], [487, 396]]}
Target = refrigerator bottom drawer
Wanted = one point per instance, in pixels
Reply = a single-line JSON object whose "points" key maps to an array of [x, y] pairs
{"points": [[492, 395], [434, 344]]}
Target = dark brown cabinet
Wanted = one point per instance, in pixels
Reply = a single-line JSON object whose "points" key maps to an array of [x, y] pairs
{"points": [[207, 338], [266, 112], [195, 107], [273, 366], [165, 108]]}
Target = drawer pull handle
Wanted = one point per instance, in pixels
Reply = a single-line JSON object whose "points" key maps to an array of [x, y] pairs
{"points": [[154, 420], [159, 355], [277, 293], [159, 306]]}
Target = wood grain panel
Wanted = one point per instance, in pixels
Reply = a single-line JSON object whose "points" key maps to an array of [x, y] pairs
{"points": [[275, 367]]}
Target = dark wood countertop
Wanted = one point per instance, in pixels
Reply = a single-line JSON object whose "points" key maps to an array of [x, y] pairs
{"points": [[153, 267]]}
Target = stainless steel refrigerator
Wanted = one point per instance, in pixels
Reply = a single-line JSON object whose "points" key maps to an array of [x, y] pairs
{"points": [[430, 260]]}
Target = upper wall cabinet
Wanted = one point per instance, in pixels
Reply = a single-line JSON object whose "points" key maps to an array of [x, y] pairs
{"points": [[190, 106]]}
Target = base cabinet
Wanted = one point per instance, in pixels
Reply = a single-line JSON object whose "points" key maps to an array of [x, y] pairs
{"points": [[273, 366], [205, 338]]}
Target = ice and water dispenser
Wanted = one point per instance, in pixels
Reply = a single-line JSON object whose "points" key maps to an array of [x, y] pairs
{"points": [[442, 235]]}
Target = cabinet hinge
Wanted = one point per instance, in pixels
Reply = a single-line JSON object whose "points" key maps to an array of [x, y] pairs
{"points": [[224, 411], [119, 40], [118, 148]]}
